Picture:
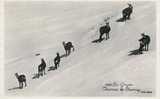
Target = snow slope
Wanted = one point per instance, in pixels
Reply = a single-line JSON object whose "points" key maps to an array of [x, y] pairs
{"points": [[40, 27]]}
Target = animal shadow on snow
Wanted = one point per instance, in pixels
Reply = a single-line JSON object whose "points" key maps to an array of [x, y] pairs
{"points": [[35, 76], [135, 52], [98, 40], [120, 20], [50, 68], [53, 67], [14, 88], [63, 55]]}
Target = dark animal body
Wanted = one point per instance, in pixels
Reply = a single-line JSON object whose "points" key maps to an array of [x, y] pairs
{"points": [[57, 60], [41, 68], [126, 13], [21, 80], [104, 30], [144, 45], [68, 46], [145, 42]]}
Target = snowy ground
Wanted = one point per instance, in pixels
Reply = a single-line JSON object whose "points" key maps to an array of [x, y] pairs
{"points": [[40, 27]]}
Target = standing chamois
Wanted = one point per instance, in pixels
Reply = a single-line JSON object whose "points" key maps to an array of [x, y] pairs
{"points": [[21, 80], [127, 12], [67, 46], [104, 30], [41, 68]]}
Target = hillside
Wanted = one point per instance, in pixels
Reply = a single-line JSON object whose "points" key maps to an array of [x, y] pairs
{"points": [[38, 27]]}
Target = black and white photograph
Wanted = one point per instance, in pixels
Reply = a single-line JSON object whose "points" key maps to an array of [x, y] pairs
{"points": [[82, 48]]}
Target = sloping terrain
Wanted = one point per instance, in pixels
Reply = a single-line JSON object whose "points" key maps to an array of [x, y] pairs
{"points": [[38, 27]]}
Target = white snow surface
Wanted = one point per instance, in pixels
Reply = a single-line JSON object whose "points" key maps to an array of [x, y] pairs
{"points": [[40, 27]]}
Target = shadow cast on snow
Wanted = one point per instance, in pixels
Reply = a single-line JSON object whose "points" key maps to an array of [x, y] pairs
{"points": [[14, 88], [36, 76]]}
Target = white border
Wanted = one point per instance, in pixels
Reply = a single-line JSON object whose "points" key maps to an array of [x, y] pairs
{"points": [[80, 0], [158, 50], [43, 97], [1, 47]]}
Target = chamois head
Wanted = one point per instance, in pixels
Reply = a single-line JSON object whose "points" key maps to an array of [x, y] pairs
{"points": [[16, 74], [64, 43], [57, 54], [130, 6]]}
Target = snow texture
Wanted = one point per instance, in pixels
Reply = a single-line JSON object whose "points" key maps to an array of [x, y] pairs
{"points": [[40, 27]]}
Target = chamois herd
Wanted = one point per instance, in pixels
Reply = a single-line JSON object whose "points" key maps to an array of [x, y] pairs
{"points": [[126, 13]]}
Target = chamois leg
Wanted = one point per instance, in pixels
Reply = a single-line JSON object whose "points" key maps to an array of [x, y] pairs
{"points": [[55, 65], [129, 17], [100, 37], [44, 72], [66, 52], [25, 84], [107, 36], [39, 72], [69, 51], [73, 48], [20, 85], [58, 65], [125, 17], [38, 75], [147, 47]]}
